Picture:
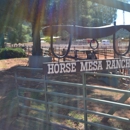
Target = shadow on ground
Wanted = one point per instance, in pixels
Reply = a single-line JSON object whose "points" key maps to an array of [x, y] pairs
{"points": [[9, 118]]}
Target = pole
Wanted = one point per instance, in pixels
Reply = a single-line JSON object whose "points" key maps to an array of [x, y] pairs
{"points": [[85, 102]]}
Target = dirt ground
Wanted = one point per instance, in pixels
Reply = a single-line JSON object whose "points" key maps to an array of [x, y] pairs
{"points": [[7, 86], [8, 103]]}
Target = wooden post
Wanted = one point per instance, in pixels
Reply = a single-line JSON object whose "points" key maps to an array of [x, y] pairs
{"points": [[98, 53], [28, 50], [63, 52], [116, 46], [105, 52], [75, 54]]}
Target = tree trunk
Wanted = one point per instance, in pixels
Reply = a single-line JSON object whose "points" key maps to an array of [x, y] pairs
{"points": [[37, 51], [2, 40]]}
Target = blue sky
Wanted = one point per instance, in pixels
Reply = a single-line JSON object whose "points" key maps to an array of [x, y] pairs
{"points": [[119, 20]]}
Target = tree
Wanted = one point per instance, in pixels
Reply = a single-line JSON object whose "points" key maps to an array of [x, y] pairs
{"points": [[83, 12], [46, 12], [96, 15], [2, 40], [117, 4], [6, 17], [19, 34], [3, 13], [31, 11]]}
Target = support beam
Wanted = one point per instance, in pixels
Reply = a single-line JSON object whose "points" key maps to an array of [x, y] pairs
{"points": [[114, 109]]}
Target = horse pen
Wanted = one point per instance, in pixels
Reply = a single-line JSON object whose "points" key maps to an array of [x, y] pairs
{"points": [[83, 100], [65, 94], [59, 101]]}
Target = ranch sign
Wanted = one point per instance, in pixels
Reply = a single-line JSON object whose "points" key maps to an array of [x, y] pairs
{"points": [[85, 65]]}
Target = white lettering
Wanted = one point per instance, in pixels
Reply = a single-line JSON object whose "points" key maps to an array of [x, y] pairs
{"points": [[127, 63], [123, 64], [90, 66], [100, 65], [113, 65], [108, 64], [56, 68], [62, 68], [73, 69], [50, 68], [83, 66], [87, 66], [68, 68], [118, 64], [95, 65]]}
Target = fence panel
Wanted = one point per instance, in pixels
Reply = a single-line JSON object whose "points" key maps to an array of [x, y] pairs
{"points": [[69, 100]]}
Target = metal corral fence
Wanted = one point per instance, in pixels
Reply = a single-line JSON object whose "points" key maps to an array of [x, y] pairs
{"points": [[106, 51], [65, 99]]}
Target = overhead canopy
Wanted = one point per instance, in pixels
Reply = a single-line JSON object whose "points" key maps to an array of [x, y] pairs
{"points": [[114, 3], [81, 32]]}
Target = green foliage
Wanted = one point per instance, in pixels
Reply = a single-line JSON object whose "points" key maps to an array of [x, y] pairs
{"points": [[2, 40], [122, 33], [81, 12], [45, 12], [7, 14], [93, 14], [47, 39], [19, 34], [84, 13], [36, 95], [6, 53]]}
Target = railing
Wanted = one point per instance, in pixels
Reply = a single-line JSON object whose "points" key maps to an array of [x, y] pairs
{"points": [[58, 99], [106, 51]]}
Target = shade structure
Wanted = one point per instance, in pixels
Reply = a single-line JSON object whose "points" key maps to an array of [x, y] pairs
{"points": [[81, 32]]}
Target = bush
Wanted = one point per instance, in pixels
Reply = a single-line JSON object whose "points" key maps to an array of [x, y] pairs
{"points": [[6, 53], [48, 39]]}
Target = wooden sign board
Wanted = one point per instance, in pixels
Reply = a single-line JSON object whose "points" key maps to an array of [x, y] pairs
{"points": [[85, 65]]}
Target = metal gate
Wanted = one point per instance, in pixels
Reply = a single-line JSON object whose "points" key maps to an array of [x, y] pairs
{"points": [[66, 100]]}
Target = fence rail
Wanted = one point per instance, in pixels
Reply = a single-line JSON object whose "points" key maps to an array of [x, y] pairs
{"points": [[47, 89], [106, 51]]}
